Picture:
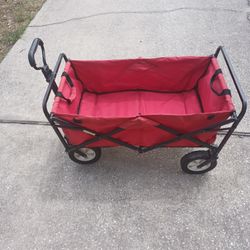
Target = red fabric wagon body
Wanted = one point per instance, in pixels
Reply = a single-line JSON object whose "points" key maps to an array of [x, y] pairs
{"points": [[139, 94], [142, 104]]}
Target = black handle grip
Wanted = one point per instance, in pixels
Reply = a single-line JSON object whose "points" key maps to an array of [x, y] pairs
{"points": [[31, 56]]}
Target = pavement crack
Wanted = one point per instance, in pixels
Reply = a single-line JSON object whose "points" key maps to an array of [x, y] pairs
{"points": [[239, 134], [24, 122], [138, 13]]}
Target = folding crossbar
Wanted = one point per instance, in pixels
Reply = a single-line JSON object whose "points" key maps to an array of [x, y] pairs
{"points": [[108, 136]]}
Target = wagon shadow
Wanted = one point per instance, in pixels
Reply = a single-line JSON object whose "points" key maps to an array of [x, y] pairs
{"points": [[121, 175]]}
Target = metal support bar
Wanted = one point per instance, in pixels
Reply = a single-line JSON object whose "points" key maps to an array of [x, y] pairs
{"points": [[190, 138], [97, 136], [240, 93], [46, 97], [187, 135]]}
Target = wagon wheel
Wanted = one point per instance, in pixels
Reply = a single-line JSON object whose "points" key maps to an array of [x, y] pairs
{"points": [[198, 162], [85, 155]]}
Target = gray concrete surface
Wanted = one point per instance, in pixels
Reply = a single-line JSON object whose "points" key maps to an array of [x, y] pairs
{"points": [[126, 200]]}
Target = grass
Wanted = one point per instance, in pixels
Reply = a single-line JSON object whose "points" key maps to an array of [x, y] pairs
{"points": [[15, 16]]}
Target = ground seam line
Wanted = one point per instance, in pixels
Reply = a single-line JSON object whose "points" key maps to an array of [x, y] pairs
{"points": [[43, 123], [136, 12]]}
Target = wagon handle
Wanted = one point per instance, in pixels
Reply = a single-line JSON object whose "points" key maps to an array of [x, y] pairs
{"points": [[33, 48], [31, 56], [47, 72]]}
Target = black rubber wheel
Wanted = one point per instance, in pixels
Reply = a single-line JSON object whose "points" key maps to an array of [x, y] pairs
{"points": [[85, 155], [190, 162]]}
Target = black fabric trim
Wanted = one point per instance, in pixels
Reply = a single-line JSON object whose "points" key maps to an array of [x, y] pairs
{"points": [[143, 90], [59, 94], [216, 73], [224, 91], [80, 102], [199, 99], [68, 79], [205, 72]]}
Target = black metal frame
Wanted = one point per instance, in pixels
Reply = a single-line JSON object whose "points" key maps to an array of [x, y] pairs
{"points": [[57, 123]]}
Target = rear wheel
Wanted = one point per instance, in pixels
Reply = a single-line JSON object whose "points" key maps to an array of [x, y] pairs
{"points": [[85, 155], [198, 162]]}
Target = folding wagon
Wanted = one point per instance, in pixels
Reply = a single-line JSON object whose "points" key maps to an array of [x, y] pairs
{"points": [[142, 104]]}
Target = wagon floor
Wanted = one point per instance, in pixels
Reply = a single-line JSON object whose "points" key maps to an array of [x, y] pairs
{"points": [[135, 103]]}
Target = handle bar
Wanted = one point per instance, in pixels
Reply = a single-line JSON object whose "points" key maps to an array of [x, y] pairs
{"points": [[31, 56]]}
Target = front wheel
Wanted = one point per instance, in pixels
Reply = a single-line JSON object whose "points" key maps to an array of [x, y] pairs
{"points": [[85, 155], [198, 162]]}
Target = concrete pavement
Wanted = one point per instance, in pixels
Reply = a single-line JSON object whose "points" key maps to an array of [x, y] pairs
{"points": [[126, 200]]}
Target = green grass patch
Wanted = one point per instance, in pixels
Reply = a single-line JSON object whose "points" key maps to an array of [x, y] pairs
{"points": [[15, 16]]}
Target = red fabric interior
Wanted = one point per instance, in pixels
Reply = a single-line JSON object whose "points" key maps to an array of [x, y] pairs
{"points": [[131, 93], [136, 103], [156, 74]]}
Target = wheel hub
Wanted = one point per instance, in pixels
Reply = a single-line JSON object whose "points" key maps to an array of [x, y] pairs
{"points": [[194, 165], [85, 154]]}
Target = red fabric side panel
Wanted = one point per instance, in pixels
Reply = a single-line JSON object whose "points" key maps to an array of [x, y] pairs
{"points": [[140, 132], [60, 106], [159, 74], [210, 101], [136, 137]]}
